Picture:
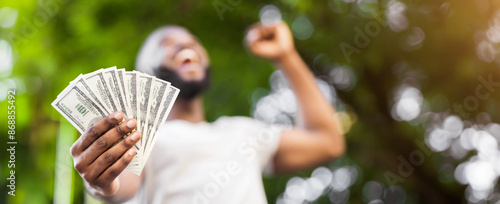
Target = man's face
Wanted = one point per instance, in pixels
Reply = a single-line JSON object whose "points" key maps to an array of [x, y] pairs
{"points": [[184, 55]]}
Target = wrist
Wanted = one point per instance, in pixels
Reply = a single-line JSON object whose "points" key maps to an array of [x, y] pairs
{"points": [[104, 194], [286, 57]]}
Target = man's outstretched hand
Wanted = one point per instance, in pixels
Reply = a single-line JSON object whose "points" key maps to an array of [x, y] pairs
{"points": [[270, 42], [98, 160]]}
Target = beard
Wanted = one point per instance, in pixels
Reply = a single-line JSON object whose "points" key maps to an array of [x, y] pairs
{"points": [[188, 89]]}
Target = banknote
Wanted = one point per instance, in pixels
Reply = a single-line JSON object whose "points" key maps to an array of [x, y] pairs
{"points": [[165, 109], [130, 79], [79, 109], [97, 84], [111, 80], [145, 83], [142, 97], [123, 88], [158, 93], [79, 82]]}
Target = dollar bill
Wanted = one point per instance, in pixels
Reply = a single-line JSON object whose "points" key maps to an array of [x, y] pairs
{"points": [[165, 109], [123, 88], [79, 109], [97, 84], [148, 100], [130, 79], [80, 83], [158, 93], [145, 82], [75, 104], [111, 78]]}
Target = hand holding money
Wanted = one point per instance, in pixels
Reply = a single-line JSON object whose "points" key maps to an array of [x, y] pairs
{"points": [[88, 103], [97, 160]]}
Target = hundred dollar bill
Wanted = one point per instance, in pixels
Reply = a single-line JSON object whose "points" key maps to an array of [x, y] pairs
{"points": [[167, 104], [131, 84], [111, 79], [145, 98], [82, 112], [97, 84], [144, 90], [135, 164], [125, 83], [79, 109], [121, 82], [80, 83], [159, 91]]}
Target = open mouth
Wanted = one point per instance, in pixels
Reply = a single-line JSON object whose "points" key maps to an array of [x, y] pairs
{"points": [[187, 59]]}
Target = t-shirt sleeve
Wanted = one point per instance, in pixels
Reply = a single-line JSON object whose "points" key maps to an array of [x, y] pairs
{"points": [[265, 138], [268, 153]]}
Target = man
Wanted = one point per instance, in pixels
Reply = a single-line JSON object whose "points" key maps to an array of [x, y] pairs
{"points": [[198, 162]]}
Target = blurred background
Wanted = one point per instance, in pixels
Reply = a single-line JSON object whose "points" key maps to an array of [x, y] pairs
{"points": [[415, 83]]}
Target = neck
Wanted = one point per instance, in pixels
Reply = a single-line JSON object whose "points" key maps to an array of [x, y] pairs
{"points": [[188, 110]]}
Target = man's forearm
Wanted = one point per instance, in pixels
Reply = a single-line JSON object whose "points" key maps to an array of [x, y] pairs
{"points": [[316, 111], [318, 137], [114, 198], [129, 185]]}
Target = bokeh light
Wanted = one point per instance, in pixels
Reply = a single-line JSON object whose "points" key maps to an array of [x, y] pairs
{"points": [[8, 17], [270, 15], [6, 60], [408, 103], [302, 28], [396, 19]]}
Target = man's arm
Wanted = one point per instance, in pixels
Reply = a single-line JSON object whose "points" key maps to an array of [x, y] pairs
{"points": [[319, 138], [128, 185], [101, 164]]}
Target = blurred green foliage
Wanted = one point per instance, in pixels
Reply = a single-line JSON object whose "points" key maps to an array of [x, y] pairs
{"points": [[72, 37]]}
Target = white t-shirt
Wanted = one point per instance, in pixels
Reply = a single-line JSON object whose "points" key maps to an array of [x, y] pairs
{"points": [[200, 163]]}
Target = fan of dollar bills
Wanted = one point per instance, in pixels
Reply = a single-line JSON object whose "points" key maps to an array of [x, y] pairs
{"points": [[145, 98]]}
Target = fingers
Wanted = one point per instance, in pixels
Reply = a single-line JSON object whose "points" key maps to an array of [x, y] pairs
{"points": [[267, 33], [283, 32], [114, 154], [258, 32], [271, 42], [104, 142], [262, 40], [116, 169], [265, 48], [252, 36], [105, 180], [95, 131]]}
